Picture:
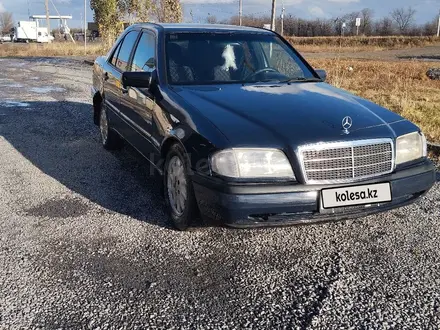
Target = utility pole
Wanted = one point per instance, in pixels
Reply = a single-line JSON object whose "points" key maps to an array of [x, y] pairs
{"points": [[85, 26], [47, 17], [272, 26], [438, 26], [282, 19], [240, 12]]}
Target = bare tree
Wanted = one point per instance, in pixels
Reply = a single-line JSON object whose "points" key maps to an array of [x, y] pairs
{"points": [[350, 23], [366, 16], [403, 18], [384, 27], [6, 22]]}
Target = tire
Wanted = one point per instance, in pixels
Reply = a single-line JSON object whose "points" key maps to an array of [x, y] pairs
{"points": [[109, 138], [183, 210]]}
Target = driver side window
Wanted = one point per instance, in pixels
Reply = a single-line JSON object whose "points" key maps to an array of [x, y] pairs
{"points": [[144, 59]]}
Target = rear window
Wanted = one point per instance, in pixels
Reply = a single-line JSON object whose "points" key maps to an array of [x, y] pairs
{"points": [[114, 58]]}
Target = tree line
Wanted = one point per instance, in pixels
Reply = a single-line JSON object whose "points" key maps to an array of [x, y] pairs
{"points": [[400, 21]]}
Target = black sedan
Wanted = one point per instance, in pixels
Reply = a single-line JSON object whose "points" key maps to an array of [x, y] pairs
{"points": [[245, 131]]}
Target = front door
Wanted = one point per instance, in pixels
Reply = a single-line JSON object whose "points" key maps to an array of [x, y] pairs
{"points": [[137, 103]]}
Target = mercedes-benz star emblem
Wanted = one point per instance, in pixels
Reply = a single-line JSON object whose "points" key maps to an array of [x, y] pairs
{"points": [[347, 122]]}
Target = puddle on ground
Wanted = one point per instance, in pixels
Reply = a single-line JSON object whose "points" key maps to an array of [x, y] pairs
{"points": [[14, 104], [59, 208], [47, 89], [18, 64], [11, 85]]}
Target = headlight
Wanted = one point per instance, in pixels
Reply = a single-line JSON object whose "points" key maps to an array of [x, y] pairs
{"points": [[410, 147], [252, 163]]}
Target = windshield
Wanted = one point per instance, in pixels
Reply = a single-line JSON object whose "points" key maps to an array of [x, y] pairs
{"points": [[218, 58]]}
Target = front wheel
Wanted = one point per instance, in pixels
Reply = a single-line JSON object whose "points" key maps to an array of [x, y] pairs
{"points": [[178, 189]]}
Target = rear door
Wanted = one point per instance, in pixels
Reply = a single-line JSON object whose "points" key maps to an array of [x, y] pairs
{"points": [[110, 80], [118, 63], [137, 103]]}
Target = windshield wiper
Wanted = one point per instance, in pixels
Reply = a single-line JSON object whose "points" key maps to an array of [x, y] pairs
{"points": [[300, 79], [261, 81]]}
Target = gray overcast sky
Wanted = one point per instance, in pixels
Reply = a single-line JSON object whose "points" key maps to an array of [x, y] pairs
{"points": [[426, 9]]}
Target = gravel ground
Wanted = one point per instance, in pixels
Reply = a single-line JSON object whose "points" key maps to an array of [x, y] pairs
{"points": [[85, 243]]}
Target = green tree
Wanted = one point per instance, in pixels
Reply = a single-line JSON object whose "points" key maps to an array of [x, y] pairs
{"points": [[106, 15], [134, 11], [169, 11], [110, 15]]}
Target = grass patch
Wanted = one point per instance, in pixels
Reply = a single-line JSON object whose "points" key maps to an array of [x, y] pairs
{"points": [[49, 50], [402, 87], [303, 44], [355, 44]]}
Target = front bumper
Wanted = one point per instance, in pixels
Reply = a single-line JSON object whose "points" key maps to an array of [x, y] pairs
{"points": [[257, 205]]}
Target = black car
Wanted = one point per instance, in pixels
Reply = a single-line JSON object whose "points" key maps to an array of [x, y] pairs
{"points": [[245, 131]]}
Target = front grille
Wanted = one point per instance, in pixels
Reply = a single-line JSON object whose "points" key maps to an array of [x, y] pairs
{"points": [[346, 161]]}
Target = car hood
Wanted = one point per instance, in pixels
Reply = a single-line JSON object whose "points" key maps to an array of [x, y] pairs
{"points": [[295, 113]]}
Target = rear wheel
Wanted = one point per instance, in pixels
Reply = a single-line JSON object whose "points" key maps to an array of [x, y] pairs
{"points": [[109, 138], [179, 192]]}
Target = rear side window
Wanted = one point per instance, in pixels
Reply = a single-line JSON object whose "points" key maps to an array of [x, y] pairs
{"points": [[145, 56], [115, 54], [125, 51]]}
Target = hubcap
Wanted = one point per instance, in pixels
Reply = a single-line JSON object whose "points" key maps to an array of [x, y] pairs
{"points": [[103, 126], [176, 185]]}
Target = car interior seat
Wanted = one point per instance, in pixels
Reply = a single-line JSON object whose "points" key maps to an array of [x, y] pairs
{"points": [[179, 70]]}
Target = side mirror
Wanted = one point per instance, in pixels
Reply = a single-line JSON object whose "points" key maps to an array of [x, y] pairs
{"points": [[322, 74], [151, 63], [136, 79]]}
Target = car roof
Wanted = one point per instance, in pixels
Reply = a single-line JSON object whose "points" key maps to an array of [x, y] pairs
{"points": [[196, 27]]}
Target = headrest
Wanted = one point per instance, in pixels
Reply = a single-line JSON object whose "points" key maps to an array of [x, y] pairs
{"points": [[175, 53]]}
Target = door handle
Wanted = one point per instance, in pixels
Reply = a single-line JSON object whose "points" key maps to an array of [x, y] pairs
{"points": [[106, 76]]}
